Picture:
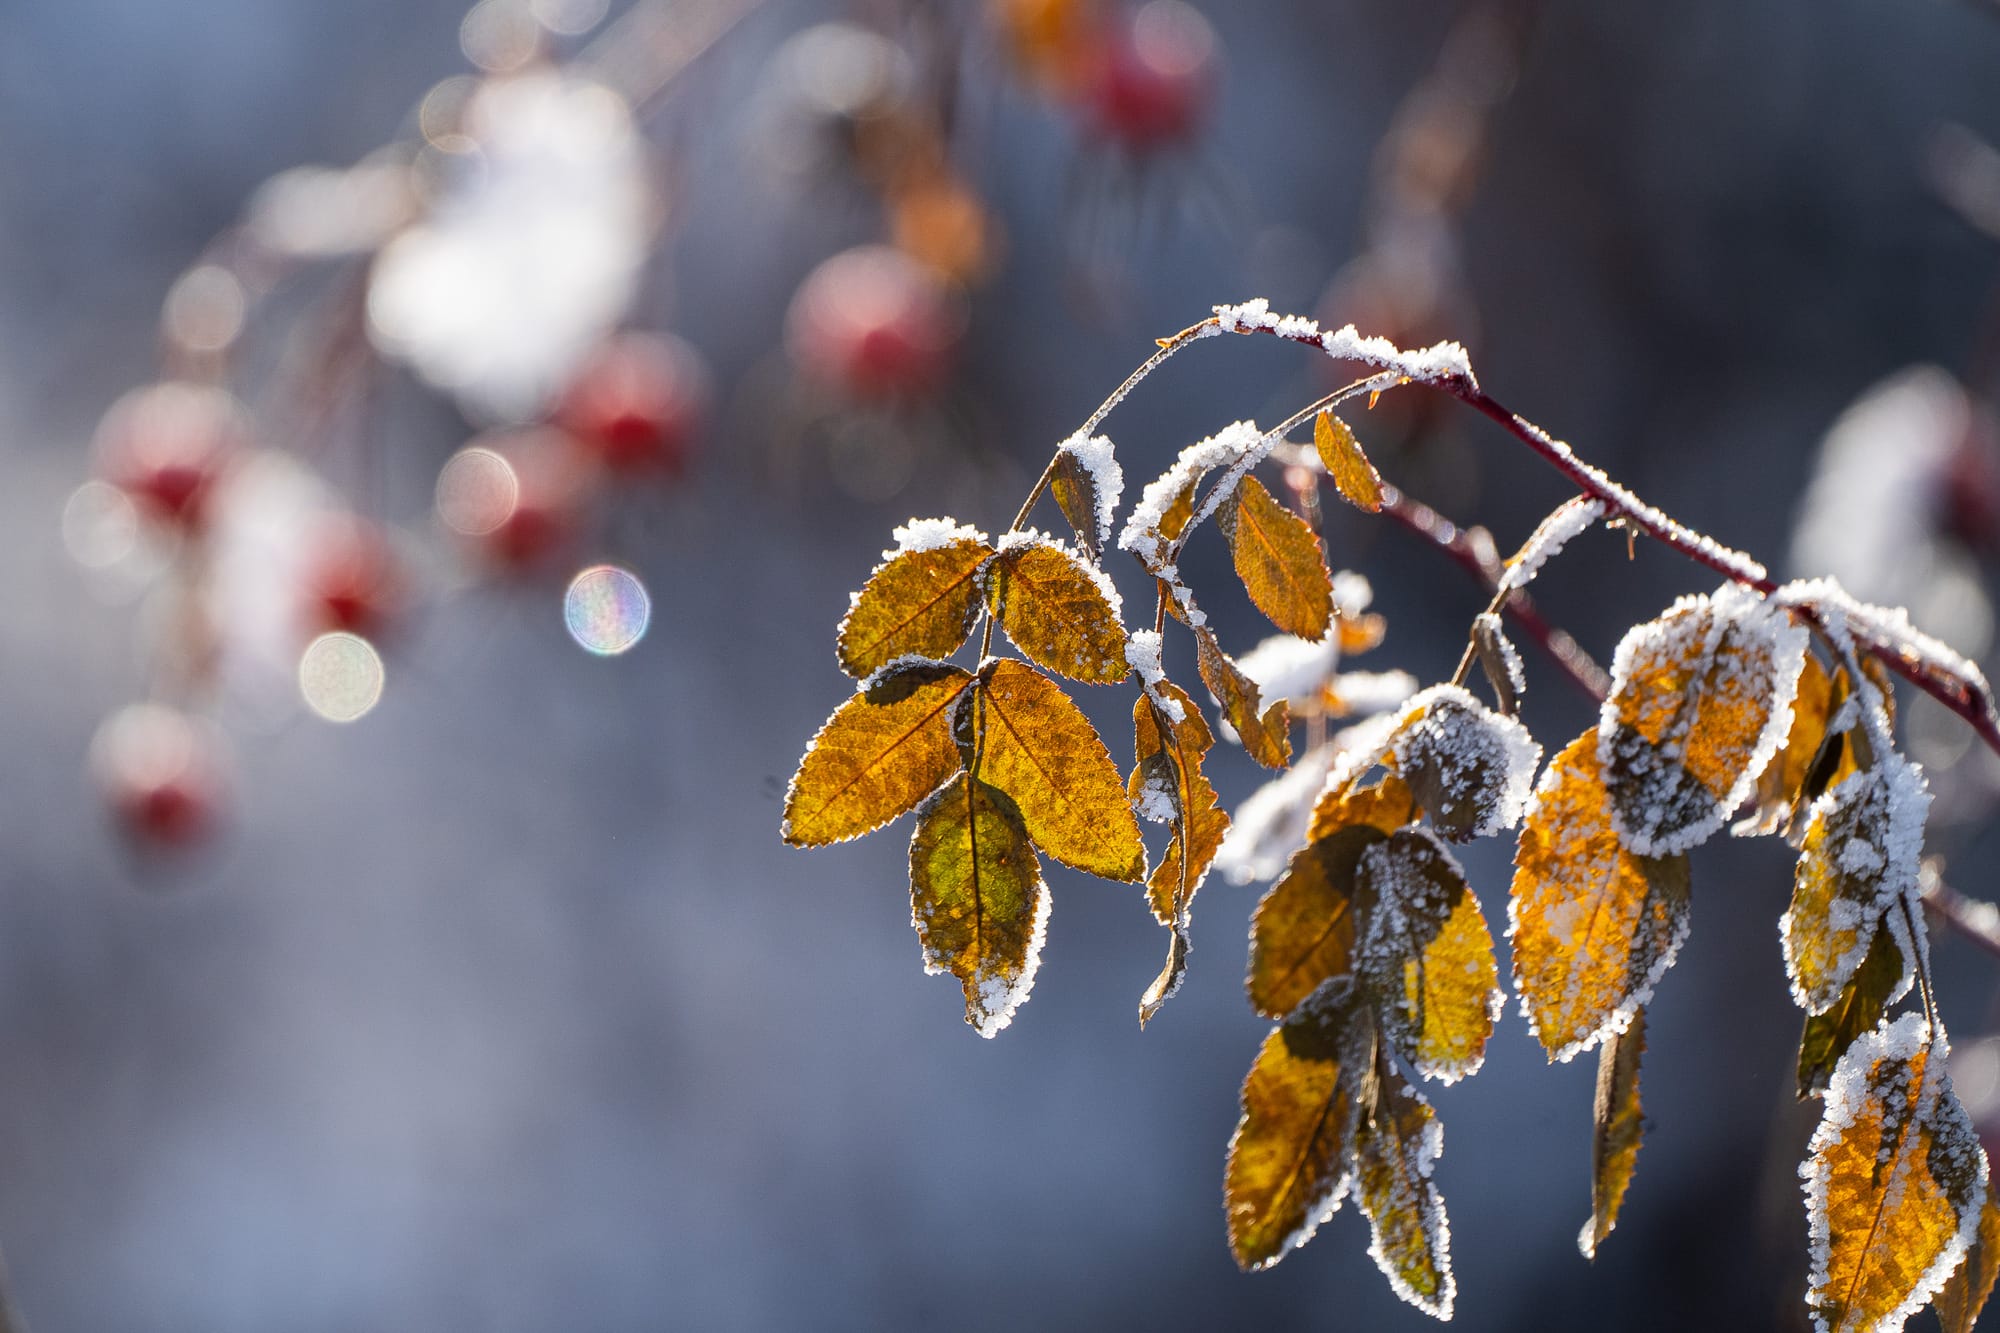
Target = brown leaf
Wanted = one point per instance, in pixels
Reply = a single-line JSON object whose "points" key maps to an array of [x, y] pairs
{"points": [[1279, 560], [1353, 475], [1022, 734], [977, 898], [1074, 486], [1618, 1124], [1859, 857], [1288, 1158], [1427, 959], [1385, 805], [1396, 1142], [918, 603], [1881, 978], [1179, 511], [878, 756], [1172, 973], [1594, 926], [1500, 663], [1894, 1182], [1701, 700], [1167, 785], [1266, 735], [1060, 612], [1469, 768], [1303, 931], [1964, 1296]]}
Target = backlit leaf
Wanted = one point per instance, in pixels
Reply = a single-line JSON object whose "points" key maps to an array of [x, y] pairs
{"points": [[1894, 1182], [1784, 778], [1880, 979], [1279, 560], [977, 898], [1168, 785], [1964, 1295], [1469, 768], [1700, 701], [1428, 956], [918, 603], [1617, 1125], [1288, 1160], [1266, 735], [1353, 475], [1303, 931], [878, 756], [1500, 662], [1060, 612], [1022, 734], [1087, 484], [1397, 1141], [1859, 857], [1385, 805], [1594, 926]]}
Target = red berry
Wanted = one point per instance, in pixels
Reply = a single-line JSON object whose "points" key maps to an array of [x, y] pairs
{"points": [[518, 496], [166, 445], [874, 324], [638, 402], [354, 580], [162, 775], [1154, 78]]}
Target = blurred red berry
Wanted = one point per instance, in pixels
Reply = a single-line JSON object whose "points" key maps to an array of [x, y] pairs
{"points": [[638, 402], [1154, 78], [162, 776], [354, 580], [875, 324], [167, 444]]}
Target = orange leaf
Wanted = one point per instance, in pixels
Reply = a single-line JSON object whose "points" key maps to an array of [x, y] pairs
{"points": [[1279, 560], [878, 756], [1386, 805], [1894, 1182], [1964, 1296], [918, 603], [977, 898], [1882, 978], [1353, 475], [1022, 734], [1617, 1124], [1396, 1142], [1303, 931], [1266, 735], [1167, 785], [1594, 926], [1061, 613], [1701, 699], [1288, 1158], [1784, 779]]}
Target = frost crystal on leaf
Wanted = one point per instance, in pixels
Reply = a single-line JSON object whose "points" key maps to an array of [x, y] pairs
{"points": [[1097, 459], [1555, 532], [1471, 769], [928, 534]]}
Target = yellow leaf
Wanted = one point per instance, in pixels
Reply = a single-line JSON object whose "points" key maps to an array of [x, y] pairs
{"points": [[1288, 1158], [977, 898], [1396, 1142], [1594, 926], [1179, 510], [878, 756], [1060, 612], [1353, 475], [1858, 859], [1701, 699], [1266, 735], [1022, 734], [1881, 978], [1386, 805], [1784, 778], [918, 603], [1167, 785], [1428, 956], [1964, 1296], [1303, 931], [1617, 1124], [1894, 1182], [1279, 560]]}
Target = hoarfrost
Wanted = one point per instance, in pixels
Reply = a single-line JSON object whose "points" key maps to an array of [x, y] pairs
{"points": [[1096, 456], [929, 534], [1287, 667], [1471, 768], [1549, 537]]}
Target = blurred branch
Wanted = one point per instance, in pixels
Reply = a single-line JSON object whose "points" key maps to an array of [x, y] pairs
{"points": [[1973, 918]]}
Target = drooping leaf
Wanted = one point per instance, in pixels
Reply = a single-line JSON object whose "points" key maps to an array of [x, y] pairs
{"points": [[1881, 978], [1859, 857], [1700, 701], [977, 898], [1302, 933], [1266, 735], [919, 602], [1278, 558], [1784, 779], [1060, 612], [1397, 1140], [1965, 1292], [1894, 1182], [1168, 785], [1386, 805], [1353, 475], [1022, 734], [878, 756], [1180, 509], [1288, 1160], [1617, 1125], [1500, 662], [1469, 768], [1594, 926], [1427, 959], [1087, 484]]}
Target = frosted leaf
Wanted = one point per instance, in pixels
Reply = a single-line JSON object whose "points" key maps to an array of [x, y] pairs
{"points": [[1352, 593], [1548, 539], [1293, 669], [1470, 768], [1099, 465], [1700, 701], [1889, 626], [1271, 822], [930, 534], [1501, 661], [1361, 693], [1142, 534]]}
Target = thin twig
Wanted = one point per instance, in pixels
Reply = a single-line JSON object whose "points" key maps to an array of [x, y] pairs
{"points": [[1972, 918]]}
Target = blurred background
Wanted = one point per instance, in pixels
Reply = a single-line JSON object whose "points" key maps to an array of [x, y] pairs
{"points": [[502, 1006]]}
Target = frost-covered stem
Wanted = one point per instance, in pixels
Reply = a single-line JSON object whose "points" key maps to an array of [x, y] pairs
{"points": [[1449, 538], [1973, 919], [1921, 953]]}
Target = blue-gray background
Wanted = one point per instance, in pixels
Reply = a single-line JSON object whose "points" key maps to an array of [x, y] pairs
{"points": [[506, 1010]]}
